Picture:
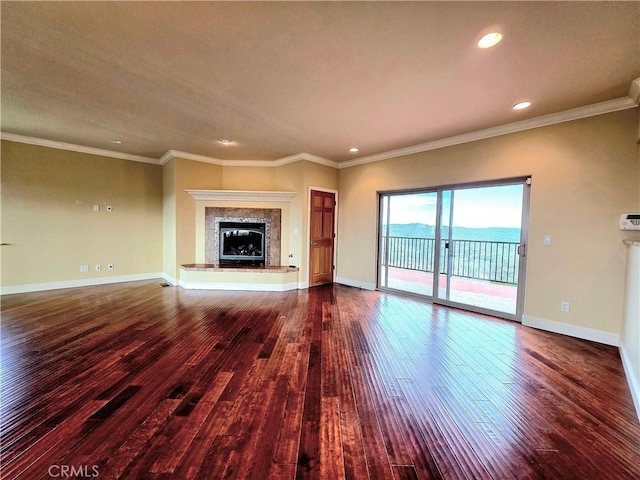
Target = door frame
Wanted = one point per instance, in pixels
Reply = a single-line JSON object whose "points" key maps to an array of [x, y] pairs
{"points": [[526, 181], [307, 282]]}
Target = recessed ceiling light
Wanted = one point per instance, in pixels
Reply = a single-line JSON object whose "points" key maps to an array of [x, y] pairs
{"points": [[354, 149], [225, 141], [490, 40], [521, 105], [117, 142]]}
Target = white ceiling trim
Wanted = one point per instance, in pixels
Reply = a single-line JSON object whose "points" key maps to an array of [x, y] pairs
{"points": [[545, 120], [242, 195], [308, 157], [248, 163], [634, 91], [171, 154], [41, 142], [609, 106]]}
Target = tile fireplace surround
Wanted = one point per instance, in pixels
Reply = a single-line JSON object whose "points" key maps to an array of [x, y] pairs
{"points": [[271, 217]]}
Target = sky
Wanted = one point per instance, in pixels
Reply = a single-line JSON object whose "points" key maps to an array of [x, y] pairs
{"points": [[473, 207]]}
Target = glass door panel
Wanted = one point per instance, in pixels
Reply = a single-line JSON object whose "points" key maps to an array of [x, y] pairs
{"points": [[481, 232], [444, 284], [407, 242]]}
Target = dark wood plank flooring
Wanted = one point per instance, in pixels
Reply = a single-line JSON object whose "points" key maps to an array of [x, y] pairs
{"points": [[137, 381]]}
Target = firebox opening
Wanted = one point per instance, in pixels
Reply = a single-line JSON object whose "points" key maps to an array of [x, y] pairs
{"points": [[242, 243]]}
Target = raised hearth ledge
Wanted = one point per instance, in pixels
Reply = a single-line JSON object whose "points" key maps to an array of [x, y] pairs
{"points": [[208, 267], [242, 195], [202, 276]]}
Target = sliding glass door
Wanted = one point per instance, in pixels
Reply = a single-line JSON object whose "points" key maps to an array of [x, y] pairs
{"points": [[462, 246]]}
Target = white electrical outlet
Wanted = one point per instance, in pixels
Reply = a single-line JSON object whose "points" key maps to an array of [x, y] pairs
{"points": [[547, 240], [564, 307], [98, 268], [84, 268], [96, 208], [110, 266]]}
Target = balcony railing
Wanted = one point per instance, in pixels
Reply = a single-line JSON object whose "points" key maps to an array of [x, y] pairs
{"points": [[482, 260]]}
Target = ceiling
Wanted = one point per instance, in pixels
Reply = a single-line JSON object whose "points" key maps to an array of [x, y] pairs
{"points": [[281, 78]]}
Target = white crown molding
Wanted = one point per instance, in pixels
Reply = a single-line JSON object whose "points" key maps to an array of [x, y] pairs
{"points": [[171, 154], [41, 142], [242, 195], [634, 90], [308, 157], [248, 163], [609, 106]]}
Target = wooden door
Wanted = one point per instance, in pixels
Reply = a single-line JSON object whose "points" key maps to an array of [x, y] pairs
{"points": [[321, 219]]}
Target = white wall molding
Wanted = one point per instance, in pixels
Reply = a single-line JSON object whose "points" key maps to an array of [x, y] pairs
{"points": [[41, 142], [308, 157], [89, 282], [634, 386], [242, 195], [251, 287], [571, 330], [609, 106], [634, 90], [355, 283], [171, 154], [170, 279]]}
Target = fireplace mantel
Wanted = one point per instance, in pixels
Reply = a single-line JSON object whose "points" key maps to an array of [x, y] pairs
{"points": [[242, 195]]}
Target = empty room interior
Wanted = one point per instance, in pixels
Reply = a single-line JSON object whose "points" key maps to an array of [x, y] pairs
{"points": [[333, 240]]}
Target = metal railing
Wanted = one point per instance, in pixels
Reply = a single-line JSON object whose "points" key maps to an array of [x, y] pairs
{"points": [[482, 260]]}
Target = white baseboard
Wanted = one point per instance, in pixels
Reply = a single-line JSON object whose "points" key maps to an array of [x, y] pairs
{"points": [[303, 285], [632, 378], [251, 287], [170, 279], [355, 283], [576, 331], [85, 282]]}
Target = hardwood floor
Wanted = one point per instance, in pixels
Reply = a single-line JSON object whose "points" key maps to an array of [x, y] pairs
{"points": [[138, 381]]}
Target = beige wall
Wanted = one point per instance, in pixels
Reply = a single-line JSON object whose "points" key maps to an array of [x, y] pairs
{"points": [[179, 240], [47, 212], [191, 175], [47, 216], [248, 178], [295, 177], [585, 174], [169, 225]]}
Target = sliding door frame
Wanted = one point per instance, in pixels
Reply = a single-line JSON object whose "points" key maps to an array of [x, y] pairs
{"points": [[525, 181]]}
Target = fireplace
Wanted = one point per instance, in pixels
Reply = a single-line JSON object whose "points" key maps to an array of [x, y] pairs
{"points": [[242, 243], [261, 230]]}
